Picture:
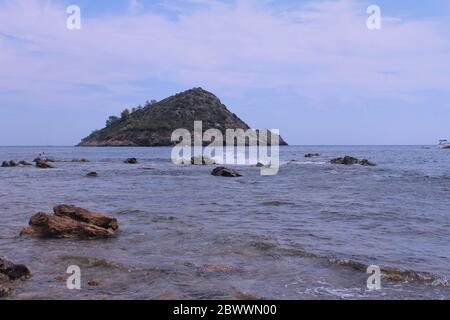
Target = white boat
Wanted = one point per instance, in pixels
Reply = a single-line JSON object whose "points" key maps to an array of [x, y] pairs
{"points": [[444, 144]]}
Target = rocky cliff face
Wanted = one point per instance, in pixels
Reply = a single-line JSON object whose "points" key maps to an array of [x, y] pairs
{"points": [[154, 124]]}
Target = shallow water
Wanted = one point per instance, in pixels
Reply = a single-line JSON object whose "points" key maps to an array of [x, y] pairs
{"points": [[306, 233]]}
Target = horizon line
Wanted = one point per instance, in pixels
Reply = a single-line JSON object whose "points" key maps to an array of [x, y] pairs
{"points": [[290, 145]]}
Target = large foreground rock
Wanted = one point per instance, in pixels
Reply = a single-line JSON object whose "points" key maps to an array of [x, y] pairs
{"points": [[347, 160], [71, 222], [225, 172], [9, 273]]}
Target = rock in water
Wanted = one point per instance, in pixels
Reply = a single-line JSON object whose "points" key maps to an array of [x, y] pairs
{"points": [[10, 272], [347, 160], [9, 164], [312, 155], [154, 124], [13, 271], [83, 215], [43, 165], [12, 163], [365, 162], [131, 161], [71, 222], [92, 174], [225, 172], [95, 282]]}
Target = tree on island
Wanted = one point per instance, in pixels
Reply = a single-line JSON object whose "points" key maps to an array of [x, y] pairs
{"points": [[150, 103], [112, 120], [125, 114]]}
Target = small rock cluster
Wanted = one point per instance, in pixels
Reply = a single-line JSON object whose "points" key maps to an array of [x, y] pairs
{"points": [[347, 160]]}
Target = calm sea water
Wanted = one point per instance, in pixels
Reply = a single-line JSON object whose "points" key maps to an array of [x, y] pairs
{"points": [[296, 235]]}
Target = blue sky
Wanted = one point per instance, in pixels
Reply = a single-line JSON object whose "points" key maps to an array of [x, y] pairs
{"points": [[309, 68]]}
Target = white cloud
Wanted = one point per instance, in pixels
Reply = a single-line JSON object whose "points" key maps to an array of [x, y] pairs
{"points": [[322, 51]]}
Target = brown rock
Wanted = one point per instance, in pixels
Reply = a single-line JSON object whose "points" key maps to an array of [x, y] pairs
{"points": [[83, 215], [95, 282], [47, 226], [62, 277], [209, 267], [71, 222]]}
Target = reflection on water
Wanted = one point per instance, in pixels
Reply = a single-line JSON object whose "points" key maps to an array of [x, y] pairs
{"points": [[307, 233]]}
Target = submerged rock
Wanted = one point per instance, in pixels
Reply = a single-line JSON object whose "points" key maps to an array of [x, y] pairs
{"points": [[225, 172], [92, 174], [80, 160], [225, 268], [95, 282], [71, 222], [10, 272], [347, 160], [131, 161], [312, 155]]}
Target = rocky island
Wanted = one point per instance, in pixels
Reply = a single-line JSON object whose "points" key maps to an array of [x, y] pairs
{"points": [[153, 124]]}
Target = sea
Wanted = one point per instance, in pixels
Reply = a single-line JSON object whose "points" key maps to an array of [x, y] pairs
{"points": [[310, 232]]}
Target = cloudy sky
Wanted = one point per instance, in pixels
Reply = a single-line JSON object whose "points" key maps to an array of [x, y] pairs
{"points": [[309, 68]]}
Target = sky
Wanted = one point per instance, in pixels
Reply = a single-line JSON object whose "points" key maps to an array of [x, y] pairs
{"points": [[311, 69]]}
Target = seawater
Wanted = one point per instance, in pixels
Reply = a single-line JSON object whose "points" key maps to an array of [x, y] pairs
{"points": [[305, 233]]}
